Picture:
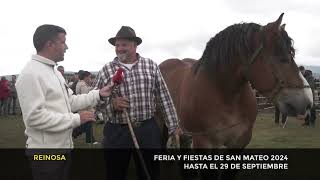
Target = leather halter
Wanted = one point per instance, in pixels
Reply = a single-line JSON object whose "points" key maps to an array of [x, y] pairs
{"points": [[280, 84]]}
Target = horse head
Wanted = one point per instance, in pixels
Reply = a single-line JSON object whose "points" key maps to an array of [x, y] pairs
{"points": [[274, 73]]}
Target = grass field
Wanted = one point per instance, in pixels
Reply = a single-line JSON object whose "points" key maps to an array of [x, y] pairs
{"points": [[265, 134]]}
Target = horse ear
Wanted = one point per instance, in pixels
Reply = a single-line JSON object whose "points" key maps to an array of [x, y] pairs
{"points": [[282, 27], [279, 20], [275, 26]]}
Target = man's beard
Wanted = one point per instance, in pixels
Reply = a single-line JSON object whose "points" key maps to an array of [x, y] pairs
{"points": [[123, 57], [59, 59]]}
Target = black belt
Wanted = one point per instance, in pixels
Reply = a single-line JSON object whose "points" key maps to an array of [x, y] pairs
{"points": [[136, 124]]}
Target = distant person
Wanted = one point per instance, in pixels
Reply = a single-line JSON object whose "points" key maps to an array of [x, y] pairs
{"points": [[73, 79], [61, 70], [302, 70], [75, 82], [277, 116], [84, 87], [311, 117], [12, 103], [48, 104], [4, 96]]}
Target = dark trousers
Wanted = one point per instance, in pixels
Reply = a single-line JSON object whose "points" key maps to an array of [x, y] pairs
{"points": [[4, 106], [311, 117], [12, 101], [51, 170], [277, 115], [87, 128], [89, 132], [119, 148]]}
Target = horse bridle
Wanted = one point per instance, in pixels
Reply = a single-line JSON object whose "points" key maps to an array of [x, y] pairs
{"points": [[280, 84]]}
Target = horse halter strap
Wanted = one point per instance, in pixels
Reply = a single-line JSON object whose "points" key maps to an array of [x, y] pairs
{"points": [[280, 84], [252, 60]]}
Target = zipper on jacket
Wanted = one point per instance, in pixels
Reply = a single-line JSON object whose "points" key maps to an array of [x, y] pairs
{"points": [[63, 91]]}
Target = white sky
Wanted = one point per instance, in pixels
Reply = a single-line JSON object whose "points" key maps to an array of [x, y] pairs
{"points": [[168, 28]]}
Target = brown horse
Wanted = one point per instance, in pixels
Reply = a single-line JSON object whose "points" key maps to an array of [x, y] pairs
{"points": [[213, 96]]}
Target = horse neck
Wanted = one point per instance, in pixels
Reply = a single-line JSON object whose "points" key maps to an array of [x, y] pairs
{"points": [[228, 81]]}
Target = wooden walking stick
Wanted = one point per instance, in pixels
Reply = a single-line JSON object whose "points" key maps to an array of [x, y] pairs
{"points": [[117, 79], [136, 145]]}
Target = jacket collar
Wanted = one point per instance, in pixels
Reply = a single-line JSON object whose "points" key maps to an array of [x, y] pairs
{"points": [[43, 60]]}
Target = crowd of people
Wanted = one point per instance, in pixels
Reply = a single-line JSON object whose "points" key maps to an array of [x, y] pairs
{"points": [[82, 83]]}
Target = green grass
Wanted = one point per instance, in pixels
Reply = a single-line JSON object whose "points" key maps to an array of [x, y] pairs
{"points": [[268, 135], [12, 132], [265, 134]]}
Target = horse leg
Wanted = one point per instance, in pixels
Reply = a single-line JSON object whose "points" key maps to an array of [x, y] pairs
{"points": [[236, 148], [186, 149], [203, 143], [230, 174]]}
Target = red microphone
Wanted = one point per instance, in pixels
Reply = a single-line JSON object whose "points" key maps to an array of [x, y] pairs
{"points": [[118, 76]]}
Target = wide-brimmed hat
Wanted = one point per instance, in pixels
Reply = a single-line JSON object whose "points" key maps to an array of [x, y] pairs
{"points": [[125, 32]]}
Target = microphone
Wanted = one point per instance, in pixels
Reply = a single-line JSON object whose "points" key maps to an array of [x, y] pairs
{"points": [[116, 80], [118, 76]]}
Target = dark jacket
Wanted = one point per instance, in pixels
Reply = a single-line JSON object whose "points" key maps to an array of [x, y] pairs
{"points": [[310, 79]]}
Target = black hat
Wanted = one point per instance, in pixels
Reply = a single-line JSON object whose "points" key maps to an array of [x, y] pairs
{"points": [[125, 32]]}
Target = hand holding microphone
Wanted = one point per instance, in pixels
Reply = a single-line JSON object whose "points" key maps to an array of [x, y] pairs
{"points": [[106, 90], [118, 76], [116, 80], [119, 103]]}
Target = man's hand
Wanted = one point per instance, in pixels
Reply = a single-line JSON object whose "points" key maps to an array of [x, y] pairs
{"points": [[120, 103], [106, 90], [174, 139], [86, 116]]}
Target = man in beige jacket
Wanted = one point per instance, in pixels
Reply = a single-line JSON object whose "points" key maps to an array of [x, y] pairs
{"points": [[48, 104], [84, 87]]}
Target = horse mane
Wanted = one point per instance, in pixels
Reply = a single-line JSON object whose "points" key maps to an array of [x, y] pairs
{"points": [[235, 44], [288, 44], [228, 43]]}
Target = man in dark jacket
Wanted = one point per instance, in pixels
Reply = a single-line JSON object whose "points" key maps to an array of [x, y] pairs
{"points": [[311, 118]]}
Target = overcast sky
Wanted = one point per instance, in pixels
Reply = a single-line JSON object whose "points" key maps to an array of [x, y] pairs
{"points": [[168, 28]]}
